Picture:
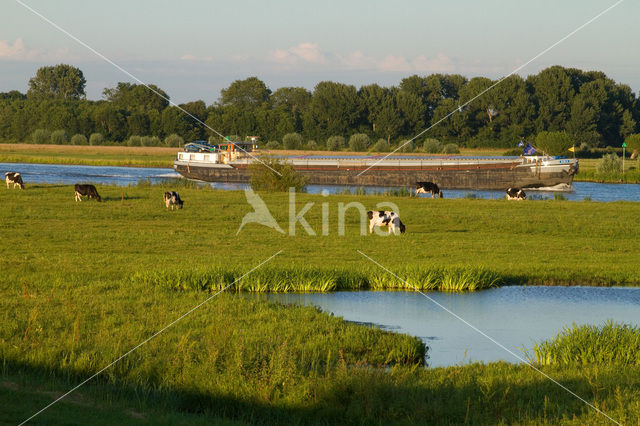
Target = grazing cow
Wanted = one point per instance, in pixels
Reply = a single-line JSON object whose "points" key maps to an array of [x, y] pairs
{"points": [[86, 190], [428, 187], [14, 178], [171, 198], [515, 194], [386, 218]]}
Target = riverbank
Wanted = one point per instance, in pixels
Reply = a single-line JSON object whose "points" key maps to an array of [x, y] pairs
{"points": [[125, 156]]}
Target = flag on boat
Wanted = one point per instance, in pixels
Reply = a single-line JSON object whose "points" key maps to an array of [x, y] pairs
{"points": [[572, 149], [521, 143], [528, 150]]}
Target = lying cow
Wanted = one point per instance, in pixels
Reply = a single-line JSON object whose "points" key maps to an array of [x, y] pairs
{"points": [[385, 218], [14, 178], [515, 194], [428, 188], [171, 198], [86, 190]]}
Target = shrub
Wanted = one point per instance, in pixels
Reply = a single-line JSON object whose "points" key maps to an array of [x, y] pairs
{"points": [[381, 146], [554, 143], [96, 139], [633, 144], [359, 142], [173, 140], [432, 146], [273, 145], [264, 176], [79, 139], [609, 164], [406, 146], [451, 148], [41, 136], [150, 141], [59, 137], [336, 143], [311, 145], [134, 140], [292, 141]]}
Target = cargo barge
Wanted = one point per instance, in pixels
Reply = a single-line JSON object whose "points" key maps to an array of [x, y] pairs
{"points": [[230, 162]]}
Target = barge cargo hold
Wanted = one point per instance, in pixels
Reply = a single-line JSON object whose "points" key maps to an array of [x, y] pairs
{"points": [[448, 172]]}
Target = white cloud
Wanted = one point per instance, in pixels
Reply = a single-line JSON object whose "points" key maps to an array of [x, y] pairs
{"points": [[392, 63], [194, 58], [302, 53], [18, 51]]}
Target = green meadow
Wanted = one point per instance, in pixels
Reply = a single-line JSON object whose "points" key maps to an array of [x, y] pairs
{"points": [[83, 283]]}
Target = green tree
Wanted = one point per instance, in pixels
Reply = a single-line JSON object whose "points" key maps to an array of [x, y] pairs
{"points": [[249, 93], [333, 110], [57, 82], [292, 141], [359, 142], [554, 143], [137, 97], [336, 143], [79, 139], [59, 137], [96, 139]]}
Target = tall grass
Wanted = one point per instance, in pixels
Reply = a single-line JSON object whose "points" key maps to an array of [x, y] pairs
{"points": [[611, 344], [302, 279]]}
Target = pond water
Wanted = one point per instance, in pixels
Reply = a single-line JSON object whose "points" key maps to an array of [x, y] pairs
{"points": [[68, 174], [514, 316]]}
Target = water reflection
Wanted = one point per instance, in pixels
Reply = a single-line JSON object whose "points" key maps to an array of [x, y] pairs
{"points": [[514, 316]]}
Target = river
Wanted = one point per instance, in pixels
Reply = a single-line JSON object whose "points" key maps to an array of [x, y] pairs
{"points": [[105, 175], [514, 316]]}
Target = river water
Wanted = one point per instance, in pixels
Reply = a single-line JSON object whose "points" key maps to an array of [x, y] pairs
{"points": [[66, 174], [513, 316]]}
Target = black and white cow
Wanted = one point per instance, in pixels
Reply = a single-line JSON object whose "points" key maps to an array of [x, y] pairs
{"points": [[386, 218], [516, 194], [171, 198], [428, 188], [86, 190], [13, 178]]}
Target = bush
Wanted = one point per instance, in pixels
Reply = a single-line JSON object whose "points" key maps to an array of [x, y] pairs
{"points": [[336, 143], [292, 141], [273, 145], [41, 136], [381, 146], [134, 140], [59, 137], [96, 139], [633, 143], [359, 142], [451, 148], [609, 164], [406, 146], [79, 139], [264, 178], [150, 141], [173, 140], [311, 146], [554, 143], [432, 146]]}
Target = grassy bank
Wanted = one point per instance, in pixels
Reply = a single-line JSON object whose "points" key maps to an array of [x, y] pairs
{"points": [[82, 283], [88, 155]]}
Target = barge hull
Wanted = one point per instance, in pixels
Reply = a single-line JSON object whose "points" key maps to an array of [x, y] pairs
{"points": [[485, 177]]}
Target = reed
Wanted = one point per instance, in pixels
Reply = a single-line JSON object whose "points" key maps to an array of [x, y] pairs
{"points": [[611, 344], [302, 279]]}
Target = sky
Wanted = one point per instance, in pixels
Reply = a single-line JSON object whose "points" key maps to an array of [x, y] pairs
{"points": [[194, 48]]}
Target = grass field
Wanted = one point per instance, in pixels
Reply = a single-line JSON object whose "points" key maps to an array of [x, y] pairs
{"points": [[82, 283]]}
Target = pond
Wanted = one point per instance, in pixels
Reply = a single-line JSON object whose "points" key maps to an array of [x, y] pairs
{"points": [[514, 316], [106, 175]]}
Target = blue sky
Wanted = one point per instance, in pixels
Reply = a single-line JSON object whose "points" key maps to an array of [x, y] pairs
{"points": [[194, 48]]}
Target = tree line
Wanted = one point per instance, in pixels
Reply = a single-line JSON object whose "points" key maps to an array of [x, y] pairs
{"points": [[591, 108]]}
